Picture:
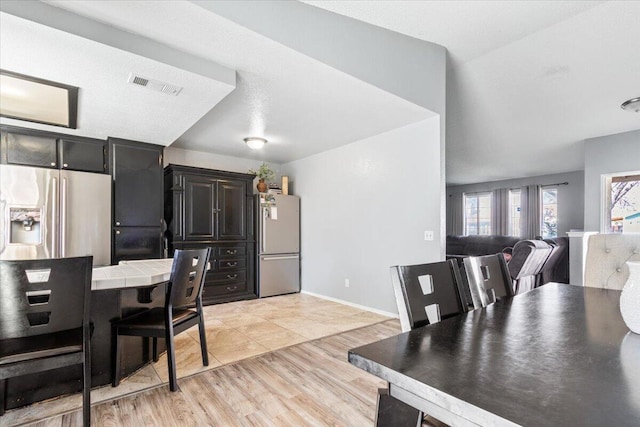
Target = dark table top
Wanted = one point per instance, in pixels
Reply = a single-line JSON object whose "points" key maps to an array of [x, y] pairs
{"points": [[558, 355]]}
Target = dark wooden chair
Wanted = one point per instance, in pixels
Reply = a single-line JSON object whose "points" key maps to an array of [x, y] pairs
{"points": [[184, 290], [44, 320], [425, 294], [488, 279]]}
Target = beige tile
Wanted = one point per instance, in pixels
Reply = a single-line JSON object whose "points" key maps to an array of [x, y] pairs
{"points": [[224, 338], [260, 330], [138, 381], [233, 353], [313, 331], [278, 340], [188, 359]]}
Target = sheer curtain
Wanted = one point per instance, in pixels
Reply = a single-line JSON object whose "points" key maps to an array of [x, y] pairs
{"points": [[500, 212], [530, 207], [455, 214]]}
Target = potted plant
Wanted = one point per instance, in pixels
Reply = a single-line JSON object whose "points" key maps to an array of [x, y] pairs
{"points": [[264, 173]]}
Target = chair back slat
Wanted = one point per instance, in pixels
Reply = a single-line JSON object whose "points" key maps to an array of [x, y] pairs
{"points": [[187, 276], [43, 296], [488, 279], [426, 293]]}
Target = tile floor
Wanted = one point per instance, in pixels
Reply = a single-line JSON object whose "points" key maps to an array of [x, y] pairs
{"points": [[235, 331]]}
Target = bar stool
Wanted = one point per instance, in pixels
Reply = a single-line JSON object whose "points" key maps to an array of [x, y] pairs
{"points": [[44, 321], [183, 291]]}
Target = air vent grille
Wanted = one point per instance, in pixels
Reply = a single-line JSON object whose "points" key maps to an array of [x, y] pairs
{"points": [[140, 81], [154, 85]]}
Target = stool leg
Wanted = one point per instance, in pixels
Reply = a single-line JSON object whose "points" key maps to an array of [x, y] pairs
{"points": [[171, 359], [86, 386], [203, 342], [155, 349], [3, 391], [115, 357]]}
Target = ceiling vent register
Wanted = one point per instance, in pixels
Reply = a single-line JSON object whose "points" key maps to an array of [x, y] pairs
{"points": [[154, 85]]}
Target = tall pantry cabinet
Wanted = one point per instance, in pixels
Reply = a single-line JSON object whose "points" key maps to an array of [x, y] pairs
{"points": [[205, 207]]}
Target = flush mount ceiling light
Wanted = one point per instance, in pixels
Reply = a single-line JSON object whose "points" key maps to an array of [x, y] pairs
{"points": [[632, 105], [255, 143]]}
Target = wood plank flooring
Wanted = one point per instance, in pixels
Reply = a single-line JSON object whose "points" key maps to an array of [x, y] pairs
{"points": [[307, 384], [241, 337]]}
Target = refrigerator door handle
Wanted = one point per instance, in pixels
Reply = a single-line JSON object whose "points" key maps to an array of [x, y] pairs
{"points": [[265, 215], [272, 258], [55, 248], [63, 217]]}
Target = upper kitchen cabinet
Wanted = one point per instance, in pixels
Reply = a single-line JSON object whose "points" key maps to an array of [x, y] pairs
{"points": [[83, 154], [207, 205], [136, 169], [30, 147]]}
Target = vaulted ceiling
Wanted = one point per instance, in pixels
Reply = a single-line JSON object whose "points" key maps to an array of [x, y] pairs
{"points": [[526, 82]]}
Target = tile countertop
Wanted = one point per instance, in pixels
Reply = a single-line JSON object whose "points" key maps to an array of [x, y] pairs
{"points": [[129, 274]]}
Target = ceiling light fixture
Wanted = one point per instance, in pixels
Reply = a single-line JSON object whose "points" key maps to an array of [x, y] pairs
{"points": [[632, 105], [255, 143]]}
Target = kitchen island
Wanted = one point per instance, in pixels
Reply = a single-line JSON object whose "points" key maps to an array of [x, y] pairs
{"points": [[116, 291]]}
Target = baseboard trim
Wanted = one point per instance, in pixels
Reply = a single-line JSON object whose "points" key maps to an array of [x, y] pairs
{"points": [[351, 304]]}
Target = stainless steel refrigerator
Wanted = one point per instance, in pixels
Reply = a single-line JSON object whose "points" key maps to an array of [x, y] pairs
{"points": [[49, 213], [278, 251]]}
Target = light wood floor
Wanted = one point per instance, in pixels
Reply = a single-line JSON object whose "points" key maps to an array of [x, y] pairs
{"points": [[275, 374]]}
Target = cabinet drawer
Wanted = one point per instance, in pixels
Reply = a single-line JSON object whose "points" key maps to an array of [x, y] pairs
{"points": [[231, 264], [227, 277], [212, 291], [226, 252]]}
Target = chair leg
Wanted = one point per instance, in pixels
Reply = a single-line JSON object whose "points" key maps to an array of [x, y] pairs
{"points": [[203, 342], [155, 349], [3, 391], [86, 386], [115, 357], [171, 359]]}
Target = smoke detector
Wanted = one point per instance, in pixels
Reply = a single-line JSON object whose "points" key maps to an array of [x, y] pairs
{"points": [[155, 85]]}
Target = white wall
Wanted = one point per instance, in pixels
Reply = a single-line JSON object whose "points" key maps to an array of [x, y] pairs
{"points": [[570, 197], [365, 207], [606, 155]]}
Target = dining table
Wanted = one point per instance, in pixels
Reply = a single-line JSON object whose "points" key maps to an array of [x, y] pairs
{"points": [[558, 355]]}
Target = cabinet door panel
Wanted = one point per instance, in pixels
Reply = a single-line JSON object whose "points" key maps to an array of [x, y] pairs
{"points": [[31, 150], [137, 243], [137, 175], [200, 199], [87, 155], [232, 210]]}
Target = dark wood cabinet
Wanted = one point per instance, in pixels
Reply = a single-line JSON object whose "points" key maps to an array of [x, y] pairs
{"points": [[213, 208], [137, 243], [136, 170], [83, 154], [29, 147]]}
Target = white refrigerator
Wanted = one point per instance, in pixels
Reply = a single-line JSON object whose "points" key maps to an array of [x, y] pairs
{"points": [[278, 240]]}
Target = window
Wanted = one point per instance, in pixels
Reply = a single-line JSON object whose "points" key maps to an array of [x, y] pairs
{"points": [[514, 212], [477, 214], [625, 204], [549, 225]]}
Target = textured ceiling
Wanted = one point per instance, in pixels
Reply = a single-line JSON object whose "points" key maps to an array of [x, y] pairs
{"points": [[107, 104], [528, 81], [300, 105]]}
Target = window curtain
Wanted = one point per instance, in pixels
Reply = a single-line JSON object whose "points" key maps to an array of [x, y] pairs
{"points": [[500, 212], [455, 214], [530, 211]]}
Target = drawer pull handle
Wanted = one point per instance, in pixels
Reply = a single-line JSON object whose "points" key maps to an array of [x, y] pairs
{"points": [[231, 276], [232, 264], [232, 252], [232, 288]]}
